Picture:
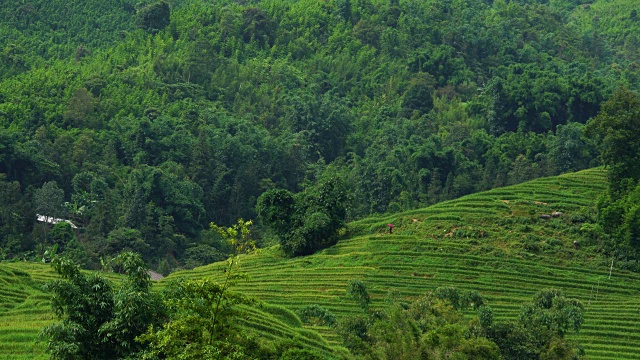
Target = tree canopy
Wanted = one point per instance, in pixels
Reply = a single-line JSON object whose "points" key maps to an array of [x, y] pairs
{"points": [[173, 116]]}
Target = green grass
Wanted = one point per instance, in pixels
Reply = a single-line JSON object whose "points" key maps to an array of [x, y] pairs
{"points": [[493, 242], [25, 309]]}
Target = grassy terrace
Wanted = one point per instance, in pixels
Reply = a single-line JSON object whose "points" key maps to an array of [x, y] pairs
{"points": [[493, 242], [25, 309]]}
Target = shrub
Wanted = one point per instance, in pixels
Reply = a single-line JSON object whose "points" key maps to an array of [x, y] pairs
{"points": [[358, 291], [322, 315], [452, 295]]}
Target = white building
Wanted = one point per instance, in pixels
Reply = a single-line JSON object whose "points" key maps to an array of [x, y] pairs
{"points": [[51, 220]]}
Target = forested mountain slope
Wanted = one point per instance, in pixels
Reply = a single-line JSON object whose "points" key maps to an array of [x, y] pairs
{"points": [[141, 123]]}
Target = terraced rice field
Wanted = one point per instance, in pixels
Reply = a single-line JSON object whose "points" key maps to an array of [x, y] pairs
{"points": [[25, 309], [493, 242]]}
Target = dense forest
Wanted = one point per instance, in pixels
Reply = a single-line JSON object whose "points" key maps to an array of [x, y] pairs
{"points": [[144, 122]]}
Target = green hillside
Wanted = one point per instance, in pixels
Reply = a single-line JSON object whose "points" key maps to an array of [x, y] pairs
{"points": [[492, 242], [151, 119], [153, 125], [25, 309]]}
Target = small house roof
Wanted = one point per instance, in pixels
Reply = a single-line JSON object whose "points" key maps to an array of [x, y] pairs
{"points": [[53, 221]]}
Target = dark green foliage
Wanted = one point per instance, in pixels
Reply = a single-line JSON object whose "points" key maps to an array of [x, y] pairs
{"points": [[135, 307], [202, 255], [618, 224], [632, 226], [99, 321], [316, 313], [315, 233], [473, 299], [419, 94], [62, 236], [200, 322], [308, 222], [570, 148], [425, 328], [459, 299], [431, 326], [355, 334], [155, 17], [551, 309], [83, 303], [615, 129], [202, 318], [125, 239], [276, 209], [257, 27], [540, 329], [191, 118], [357, 291], [13, 217], [49, 200], [449, 294]]}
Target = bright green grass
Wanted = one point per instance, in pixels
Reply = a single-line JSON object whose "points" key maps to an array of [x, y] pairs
{"points": [[25, 309], [492, 242]]}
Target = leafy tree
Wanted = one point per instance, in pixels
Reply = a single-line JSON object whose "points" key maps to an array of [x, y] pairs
{"points": [[614, 128], [426, 328], [257, 26], [551, 310], [358, 292], [307, 222], [122, 239], [135, 307], [79, 108], [540, 329], [322, 315], [155, 17], [431, 327], [202, 255], [99, 321], [344, 9], [570, 149], [83, 303], [419, 93], [12, 216], [49, 200], [201, 323], [61, 234], [276, 209]]}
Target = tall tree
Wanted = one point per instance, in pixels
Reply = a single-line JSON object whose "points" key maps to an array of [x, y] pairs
{"points": [[616, 129], [49, 200]]}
